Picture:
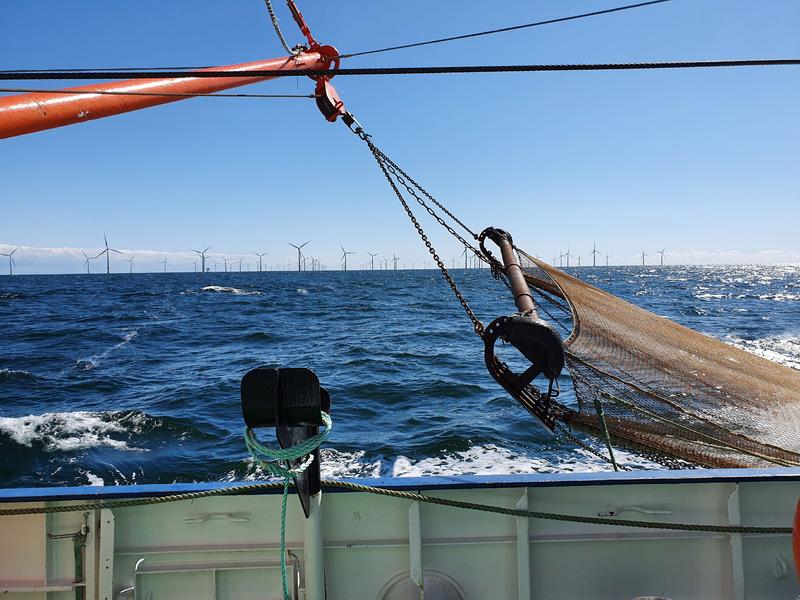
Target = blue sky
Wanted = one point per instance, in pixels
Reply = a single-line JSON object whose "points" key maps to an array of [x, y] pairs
{"points": [[702, 162]]}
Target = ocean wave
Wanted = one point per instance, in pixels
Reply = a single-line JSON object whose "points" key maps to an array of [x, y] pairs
{"points": [[256, 337], [15, 375], [302, 291], [780, 297], [229, 290], [87, 364], [488, 459], [784, 350], [70, 431], [12, 296]]}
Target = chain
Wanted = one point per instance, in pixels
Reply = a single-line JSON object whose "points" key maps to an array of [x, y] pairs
{"points": [[427, 195], [430, 211], [388, 172]]}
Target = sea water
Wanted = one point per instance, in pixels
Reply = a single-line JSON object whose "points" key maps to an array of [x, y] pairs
{"points": [[120, 379]]}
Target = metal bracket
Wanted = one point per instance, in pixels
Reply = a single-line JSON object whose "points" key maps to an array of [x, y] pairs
{"points": [[289, 400]]}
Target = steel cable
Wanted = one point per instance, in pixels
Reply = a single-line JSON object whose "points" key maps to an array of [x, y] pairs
{"points": [[440, 70]]}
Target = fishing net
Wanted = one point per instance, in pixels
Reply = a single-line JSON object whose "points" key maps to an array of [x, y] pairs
{"points": [[656, 385], [641, 380]]}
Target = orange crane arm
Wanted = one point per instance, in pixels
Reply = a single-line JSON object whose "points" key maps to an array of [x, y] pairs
{"points": [[28, 113]]}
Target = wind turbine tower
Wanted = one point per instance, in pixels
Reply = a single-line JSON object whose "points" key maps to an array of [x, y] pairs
{"points": [[164, 262], [395, 258], [643, 255], [11, 261], [371, 259], [260, 256], [88, 258], [107, 252], [130, 263], [594, 255], [202, 254], [345, 253], [299, 254], [661, 252]]}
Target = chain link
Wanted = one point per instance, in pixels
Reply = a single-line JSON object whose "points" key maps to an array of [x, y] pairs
{"points": [[430, 211], [390, 162], [389, 171]]}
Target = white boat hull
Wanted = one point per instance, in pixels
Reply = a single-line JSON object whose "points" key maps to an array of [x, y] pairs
{"points": [[227, 547]]}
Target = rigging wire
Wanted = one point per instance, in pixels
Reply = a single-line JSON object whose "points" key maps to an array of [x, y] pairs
{"points": [[165, 94], [273, 17], [505, 29], [441, 70]]}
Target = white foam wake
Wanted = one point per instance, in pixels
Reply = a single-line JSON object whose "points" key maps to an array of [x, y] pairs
{"points": [[87, 364], [780, 349], [479, 460], [229, 290], [67, 431]]}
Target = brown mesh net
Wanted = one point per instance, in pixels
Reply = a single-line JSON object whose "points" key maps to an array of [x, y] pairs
{"points": [[666, 388]]}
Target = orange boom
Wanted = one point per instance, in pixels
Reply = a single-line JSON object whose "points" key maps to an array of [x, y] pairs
{"points": [[28, 113]]}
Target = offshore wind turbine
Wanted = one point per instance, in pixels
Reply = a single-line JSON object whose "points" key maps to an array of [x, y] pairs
{"points": [[260, 256], [344, 256], [395, 258], [594, 255], [107, 252], [606, 259], [567, 255], [87, 258], [130, 263], [202, 254], [643, 255], [371, 258], [11, 261], [661, 252], [298, 252], [164, 262], [225, 260], [195, 265]]}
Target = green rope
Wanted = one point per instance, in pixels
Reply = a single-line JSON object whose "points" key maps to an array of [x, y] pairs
{"points": [[606, 436], [275, 461]]}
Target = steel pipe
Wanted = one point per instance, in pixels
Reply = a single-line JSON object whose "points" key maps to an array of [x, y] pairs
{"points": [[27, 113], [519, 287]]}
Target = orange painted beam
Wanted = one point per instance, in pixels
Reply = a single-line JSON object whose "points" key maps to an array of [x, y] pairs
{"points": [[28, 113]]}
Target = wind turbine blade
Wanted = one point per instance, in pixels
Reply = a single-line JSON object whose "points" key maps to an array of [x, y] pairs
{"points": [[207, 249]]}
